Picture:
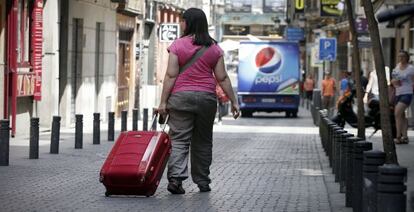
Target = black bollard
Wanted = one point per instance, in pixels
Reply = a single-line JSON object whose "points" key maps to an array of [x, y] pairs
{"points": [[4, 142], [135, 119], [349, 169], [34, 138], [124, 115], [79, 131], [391, 188], [359, 148], [111, 126], [372, 160], [96, 128], [342, 161], [145, 121], [154, 123], [335, 151], [54, 140]]}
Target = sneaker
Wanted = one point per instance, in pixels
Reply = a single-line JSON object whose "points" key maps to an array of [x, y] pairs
{"points": [[175, 187], [404, 140], [204, 188]]}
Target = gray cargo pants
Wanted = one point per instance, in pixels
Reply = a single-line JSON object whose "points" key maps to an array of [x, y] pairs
{"points": [[191, 124]]}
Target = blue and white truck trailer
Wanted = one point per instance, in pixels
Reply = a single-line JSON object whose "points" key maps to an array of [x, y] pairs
{"points": [[268, 77]]}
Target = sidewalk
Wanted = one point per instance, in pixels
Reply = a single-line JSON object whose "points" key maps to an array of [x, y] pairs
{"points": [[266, 163]]}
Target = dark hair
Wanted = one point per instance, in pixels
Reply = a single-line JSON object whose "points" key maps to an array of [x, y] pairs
{"points": [[196, 24], [405, 53]]}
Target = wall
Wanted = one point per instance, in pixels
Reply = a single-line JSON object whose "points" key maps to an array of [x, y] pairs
{"points": [[87, 102]]}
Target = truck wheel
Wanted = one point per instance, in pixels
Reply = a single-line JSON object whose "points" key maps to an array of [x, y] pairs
{"points": [[288, 113], [246, 113], [295, 114]]}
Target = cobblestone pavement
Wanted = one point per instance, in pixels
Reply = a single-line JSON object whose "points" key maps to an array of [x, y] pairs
{"points": [[266, 163]]}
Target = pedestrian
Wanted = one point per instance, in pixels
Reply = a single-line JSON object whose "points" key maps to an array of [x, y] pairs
{"points": [[191, 102], [308, 86], [328, 91], [402, 80], [344, 83], [372, 90]]}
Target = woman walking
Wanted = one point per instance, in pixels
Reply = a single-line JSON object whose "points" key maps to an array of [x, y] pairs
{"points": [[402, 80], [189, 98]]}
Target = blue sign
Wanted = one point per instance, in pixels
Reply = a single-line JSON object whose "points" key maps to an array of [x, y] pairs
{"points": [[327, 49], [270, 67], [294, 34]]}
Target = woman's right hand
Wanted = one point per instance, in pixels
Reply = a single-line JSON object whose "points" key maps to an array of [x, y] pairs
{"points": [[395, 82], [162, 109], [235, 109]]}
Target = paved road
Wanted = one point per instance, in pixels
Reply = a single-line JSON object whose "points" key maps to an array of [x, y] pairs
{"points": [[266, 163]]}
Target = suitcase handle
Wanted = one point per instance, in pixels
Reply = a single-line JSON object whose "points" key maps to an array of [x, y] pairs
{"points": [[154, 120]]}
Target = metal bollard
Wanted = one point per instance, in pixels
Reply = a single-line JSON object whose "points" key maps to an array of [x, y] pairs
{"points": [[154, 123], [331, 142], [124, 116], [34, 138], [111, 126], [96, 128], [329, 133], [135, 119], [349, 168], [54, 140], [4, 142], [342, 162], [372, 159], [335, 151], [359, 148], [391, 188], [145, 121], [79, 131]]}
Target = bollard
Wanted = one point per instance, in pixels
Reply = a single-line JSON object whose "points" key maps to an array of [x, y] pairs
{"points": [[349, 168], [111, 126], [4, 142], [329, 144], [79, 131], [34, 138], [391, 188], [54, 140], [359, 148], [96, 129], [330, 127], [372, 160], [335, 151], [124, 116], [154, 122], [145, 121], [342, 161], [135, 119]]}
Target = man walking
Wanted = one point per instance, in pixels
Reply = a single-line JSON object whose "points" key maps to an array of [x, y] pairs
{"points": [[328, 92]]}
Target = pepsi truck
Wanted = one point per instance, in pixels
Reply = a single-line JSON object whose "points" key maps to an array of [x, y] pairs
{"points": [[268, 77]]}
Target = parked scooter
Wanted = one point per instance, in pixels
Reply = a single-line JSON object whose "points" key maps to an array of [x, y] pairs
{"points": [[346, 114]]}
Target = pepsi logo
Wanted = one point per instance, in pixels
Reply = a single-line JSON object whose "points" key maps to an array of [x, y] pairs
{"points": [[268, 60]]}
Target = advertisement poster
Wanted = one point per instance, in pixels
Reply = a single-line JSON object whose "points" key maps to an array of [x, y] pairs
{"points": [[274, 6], [268, 67], [332, 7], [244, 6]]}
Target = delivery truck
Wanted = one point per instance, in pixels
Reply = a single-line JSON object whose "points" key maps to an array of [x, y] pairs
{"points": [[268, 77]]}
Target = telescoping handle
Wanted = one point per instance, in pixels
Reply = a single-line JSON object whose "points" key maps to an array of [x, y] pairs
{"points": [[154, 121]]}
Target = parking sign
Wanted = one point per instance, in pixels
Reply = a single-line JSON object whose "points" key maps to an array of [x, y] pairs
{"points": [[169, 32], [327, 49]]}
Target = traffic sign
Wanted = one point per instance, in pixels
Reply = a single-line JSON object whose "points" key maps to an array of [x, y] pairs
{"points": [[169, 32], [327, 49]]}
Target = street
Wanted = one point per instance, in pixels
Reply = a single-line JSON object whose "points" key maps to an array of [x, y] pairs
{"points": [[257, 166]]}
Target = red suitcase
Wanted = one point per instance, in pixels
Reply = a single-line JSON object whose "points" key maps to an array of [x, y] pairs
{"points": [[136, 163]]}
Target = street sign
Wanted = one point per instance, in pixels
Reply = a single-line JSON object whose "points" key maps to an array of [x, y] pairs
{"points": [[169, 32], [327, 49]]}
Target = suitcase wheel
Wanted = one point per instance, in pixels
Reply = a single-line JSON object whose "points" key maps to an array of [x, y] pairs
{"points": [[107, 193]]}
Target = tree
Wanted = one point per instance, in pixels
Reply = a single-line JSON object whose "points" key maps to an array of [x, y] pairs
{"points": [[356, 61], [389, 146]]}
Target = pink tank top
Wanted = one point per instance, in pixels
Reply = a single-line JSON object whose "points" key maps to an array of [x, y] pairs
{"points": [[199, 76]]}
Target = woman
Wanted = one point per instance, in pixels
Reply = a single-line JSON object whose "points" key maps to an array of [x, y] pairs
{"points": [[402, 80], [190, 100]]}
